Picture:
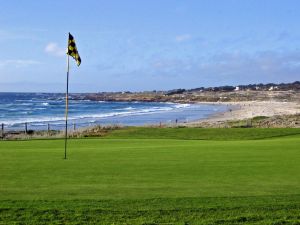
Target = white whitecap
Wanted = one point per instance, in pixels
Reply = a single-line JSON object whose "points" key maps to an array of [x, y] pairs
{"points": [[179, 106]]}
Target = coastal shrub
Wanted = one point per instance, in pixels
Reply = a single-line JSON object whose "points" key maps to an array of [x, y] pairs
{"points": [[256, 118]]}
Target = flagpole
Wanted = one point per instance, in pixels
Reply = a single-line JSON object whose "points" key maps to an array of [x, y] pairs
{"points": [[72, 50], [67, 102]]}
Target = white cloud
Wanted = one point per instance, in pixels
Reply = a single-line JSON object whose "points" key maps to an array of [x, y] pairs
{"points": [[18, 63], [53, 49], [183, 37]]}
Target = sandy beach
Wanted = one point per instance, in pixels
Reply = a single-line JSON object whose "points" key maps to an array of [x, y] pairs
{"points": [[249, 109]]}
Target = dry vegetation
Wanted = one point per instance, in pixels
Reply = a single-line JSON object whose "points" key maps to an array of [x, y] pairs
{"points": [[281, 121], [196, 96], [93, 131]]}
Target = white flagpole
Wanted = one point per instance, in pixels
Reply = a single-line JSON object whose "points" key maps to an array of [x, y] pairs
{"points": [[67, 102]]}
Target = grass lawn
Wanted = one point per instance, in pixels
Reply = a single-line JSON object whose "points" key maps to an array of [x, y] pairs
{"points": [[154, 176]]}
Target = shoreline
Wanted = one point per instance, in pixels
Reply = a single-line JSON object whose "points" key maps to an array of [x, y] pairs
{"points": [[131, 114], [261, 114], [244, 110], [236, 111]]}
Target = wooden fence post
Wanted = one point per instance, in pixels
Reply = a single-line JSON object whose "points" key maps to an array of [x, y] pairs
{"points": [[2, 130], [48, 128]]}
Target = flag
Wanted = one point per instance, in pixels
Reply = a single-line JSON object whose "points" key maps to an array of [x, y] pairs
{"points": [[72, 50]]}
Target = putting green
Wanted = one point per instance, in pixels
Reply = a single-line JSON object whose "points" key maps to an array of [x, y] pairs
{"points": [[126, 171]]}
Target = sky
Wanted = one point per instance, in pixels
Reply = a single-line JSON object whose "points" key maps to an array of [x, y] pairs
{"points": [[145, 45]]}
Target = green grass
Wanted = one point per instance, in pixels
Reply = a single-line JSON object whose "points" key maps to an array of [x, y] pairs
{"points": [[154, 177], [201, 133]]}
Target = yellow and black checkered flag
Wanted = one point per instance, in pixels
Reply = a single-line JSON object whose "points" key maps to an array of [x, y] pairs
{"points": [[72, 50]]}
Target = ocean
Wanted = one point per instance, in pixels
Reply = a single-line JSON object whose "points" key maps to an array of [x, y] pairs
{"points": [[40, 109]]}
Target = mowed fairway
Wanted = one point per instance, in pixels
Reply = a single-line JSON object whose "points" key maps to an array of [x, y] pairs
{"points": [[152, 181]]}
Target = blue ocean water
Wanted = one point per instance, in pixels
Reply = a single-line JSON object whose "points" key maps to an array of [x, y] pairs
{"points": [[40, 109]]}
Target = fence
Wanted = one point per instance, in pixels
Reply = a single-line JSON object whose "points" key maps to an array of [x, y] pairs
{"points": [[50, 129], [27, 131]]}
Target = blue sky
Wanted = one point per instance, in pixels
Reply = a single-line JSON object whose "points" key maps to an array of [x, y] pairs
{"points": [[140, 45]]}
